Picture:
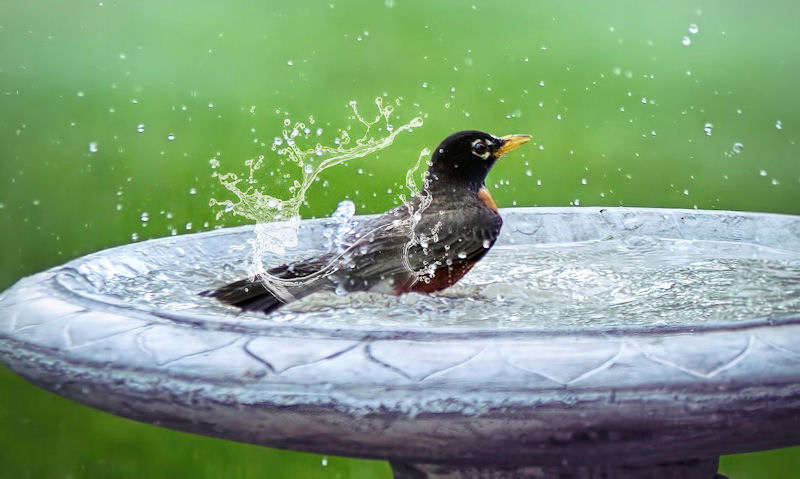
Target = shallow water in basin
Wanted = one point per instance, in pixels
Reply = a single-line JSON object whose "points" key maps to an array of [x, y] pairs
{"points": [[628, 282]]}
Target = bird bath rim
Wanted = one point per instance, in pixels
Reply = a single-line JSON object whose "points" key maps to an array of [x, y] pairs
{"points": [[255, 325], [461, 397]]}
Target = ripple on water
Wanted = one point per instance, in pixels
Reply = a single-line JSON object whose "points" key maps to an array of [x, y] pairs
{"points": [[630, 282]]}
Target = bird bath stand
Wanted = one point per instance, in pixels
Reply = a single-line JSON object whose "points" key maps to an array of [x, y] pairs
{"points": [[514, 397]]}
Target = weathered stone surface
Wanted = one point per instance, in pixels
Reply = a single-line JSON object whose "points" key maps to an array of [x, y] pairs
{"points": [[468, 399]]}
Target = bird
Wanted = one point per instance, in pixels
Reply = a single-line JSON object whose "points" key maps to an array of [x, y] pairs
{"points": [[424, 245]]}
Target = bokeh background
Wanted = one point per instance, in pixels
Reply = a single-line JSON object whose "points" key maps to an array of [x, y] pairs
{"points": [[110, 112]]}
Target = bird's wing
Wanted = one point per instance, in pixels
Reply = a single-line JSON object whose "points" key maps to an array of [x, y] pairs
{"points": [[394, 246]]}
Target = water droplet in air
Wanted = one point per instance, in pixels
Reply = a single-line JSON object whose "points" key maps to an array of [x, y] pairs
{"points": [[583, 181], [344, 211], [486, 243], [763, 172], [528, 173], [140, 128], [737, 147], [145, 217], [92, 147], [81, 94], [192, 191], [134, 237], [708, 128], [289, 62], [389, 3], [779, 125], [775, 182], [462, 255], [189, 225], [693, 29], [171, 136], [686, 41]]}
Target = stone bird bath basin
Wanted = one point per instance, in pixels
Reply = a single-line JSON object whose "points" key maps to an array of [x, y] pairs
{"points": [[657, 382]]}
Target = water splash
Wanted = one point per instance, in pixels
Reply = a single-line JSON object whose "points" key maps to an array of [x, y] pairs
{"points": [[254, 203]]}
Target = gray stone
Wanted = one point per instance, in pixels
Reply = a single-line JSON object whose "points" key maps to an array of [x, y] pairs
{"points": [[645, 401]]}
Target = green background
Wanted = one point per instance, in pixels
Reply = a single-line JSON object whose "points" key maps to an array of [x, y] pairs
{"points": [[612, 96]]}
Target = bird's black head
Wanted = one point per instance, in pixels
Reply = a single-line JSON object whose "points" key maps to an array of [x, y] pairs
{"points": [[467, 156]]}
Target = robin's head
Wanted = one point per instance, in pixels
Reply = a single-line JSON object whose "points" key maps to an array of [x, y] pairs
{"points": [[467, 156]]}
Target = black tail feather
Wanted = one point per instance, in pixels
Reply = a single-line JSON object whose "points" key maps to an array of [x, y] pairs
{"points": [[252, 295], [249, 295]]}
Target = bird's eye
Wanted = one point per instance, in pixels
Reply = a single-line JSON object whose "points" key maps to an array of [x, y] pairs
{"points": [[480, 149]]}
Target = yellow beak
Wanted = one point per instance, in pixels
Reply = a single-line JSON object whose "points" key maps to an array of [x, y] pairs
{"points": [[510, 142]]}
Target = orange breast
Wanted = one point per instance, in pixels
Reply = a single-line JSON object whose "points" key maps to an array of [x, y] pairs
{"points": [[443, 278], [486, 198]]}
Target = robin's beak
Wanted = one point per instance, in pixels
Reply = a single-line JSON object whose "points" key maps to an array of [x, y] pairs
{"points": [[510, 142]]}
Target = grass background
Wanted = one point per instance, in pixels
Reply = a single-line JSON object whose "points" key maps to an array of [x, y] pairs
{"points": [[610, 91]]}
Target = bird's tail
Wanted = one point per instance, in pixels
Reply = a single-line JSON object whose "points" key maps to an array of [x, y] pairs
{"points": [[247, 294], [253, 295]]}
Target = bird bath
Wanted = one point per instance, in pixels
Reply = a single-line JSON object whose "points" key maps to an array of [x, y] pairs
{"points": [[615, 342]]}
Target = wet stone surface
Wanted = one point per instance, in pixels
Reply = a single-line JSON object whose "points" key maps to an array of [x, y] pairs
{"points": [[614, 336]]}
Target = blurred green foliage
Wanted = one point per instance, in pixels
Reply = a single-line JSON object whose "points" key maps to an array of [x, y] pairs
{"points": [[618, 104]]}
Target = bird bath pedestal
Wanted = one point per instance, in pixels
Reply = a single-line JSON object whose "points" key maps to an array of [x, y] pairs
{"points": [[651, 399]]}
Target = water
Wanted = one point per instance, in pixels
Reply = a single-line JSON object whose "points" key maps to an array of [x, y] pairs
{"points": [[294, 145], [629, 282]]}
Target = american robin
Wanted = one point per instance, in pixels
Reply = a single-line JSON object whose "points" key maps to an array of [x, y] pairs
{"points": [[424, 245]]}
